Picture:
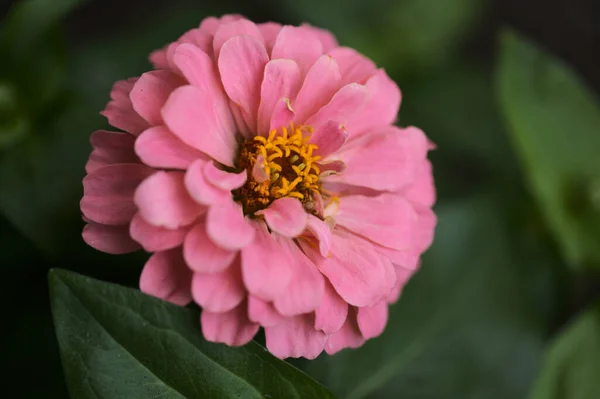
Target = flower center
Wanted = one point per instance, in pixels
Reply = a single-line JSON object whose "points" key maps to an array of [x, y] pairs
{"points": [[280, 165]]}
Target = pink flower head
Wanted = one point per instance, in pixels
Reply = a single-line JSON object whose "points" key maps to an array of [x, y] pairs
{"points": [[260, 167]]}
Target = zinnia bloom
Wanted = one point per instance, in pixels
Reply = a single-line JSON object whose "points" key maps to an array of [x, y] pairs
{"points": [[260, 167]]}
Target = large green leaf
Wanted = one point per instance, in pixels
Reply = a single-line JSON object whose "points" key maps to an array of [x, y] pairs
{"points": [[555, 126], [466, 325], [572, 363], [116, 342]]}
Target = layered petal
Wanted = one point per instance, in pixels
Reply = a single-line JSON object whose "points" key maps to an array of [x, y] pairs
{"points": [[286, 216], [300, 44], [372, 319], [240, 27], [349, 336], [110, 148], [202, 255], [201, 190], [227, 227], [295, 337], [150, 93], [159, 148], [153, 238], [281, 80], [354, 67], [263, 312], [232, 328], [329, 137], [346, 103], [221, 291], [110, 239], [166, 276], [331, 314], [119, 111]]}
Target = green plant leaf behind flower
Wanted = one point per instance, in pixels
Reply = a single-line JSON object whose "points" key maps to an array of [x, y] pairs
{"points": [[572, 362], [555, 126], [116, 342]]}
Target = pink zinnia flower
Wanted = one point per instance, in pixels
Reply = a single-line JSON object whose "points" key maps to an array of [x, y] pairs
{"points": [[261, 168]]}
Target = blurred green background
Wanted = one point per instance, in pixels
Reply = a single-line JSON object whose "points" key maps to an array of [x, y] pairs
{"points": [[506, 302]]}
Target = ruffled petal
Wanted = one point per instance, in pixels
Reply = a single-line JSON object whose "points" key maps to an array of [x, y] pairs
{"points": [[329, 137], [328, 41], [322, 233], [372, 319], [295, 337], [220, 291], [150, 93], [349, 336], [354, 67], [204, 256], [269, 31], [119, 110], [110, 239], [110, 148], [159, 148], [281, 80], [300, 44], [344, 105], [241, 27], [331, 314], [285, 216], [153, 238], [201, 190], [223, 179], [232, 328], [166, 276], [227, 226], [263, 312]]}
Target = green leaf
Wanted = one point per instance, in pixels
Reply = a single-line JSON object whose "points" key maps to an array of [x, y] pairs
{"points": [[116, 342], [572, 362], [466, 325], [555, 126]]}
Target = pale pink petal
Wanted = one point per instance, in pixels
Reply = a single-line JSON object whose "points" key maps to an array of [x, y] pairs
{"points": [[163, 201], [403, 275], [227, 226], [384, 160], [305, 290], [241, 64], [285, 216], [211, 24], [108, 193], [198, 38], [283, 114], [269, 31], [232, 328], [221, 291], [223, 179], [166, 276], [327, 39], [300, 44], [202, 255], [331, 314], [372, 319], [190, 114], [110, 239], [150, 93], [281, 80], [200, 70], [241, 27], [110, 148], [422, 190], [331, 168], [354, 67], [348, 336], [382, 107], [387, 219], [240, 123], [259, 173], [425, 227], [322, 232], [159, 148], [153, 238], [408, 258], [158, 58], [329, 137], [200, 189], [266, 266], [321, 83], [344, 105], [119, 110], [295, 337], [359, 274], [263, 312]]}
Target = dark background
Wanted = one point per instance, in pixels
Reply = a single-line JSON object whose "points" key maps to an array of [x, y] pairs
{"points": [[442, 55]]}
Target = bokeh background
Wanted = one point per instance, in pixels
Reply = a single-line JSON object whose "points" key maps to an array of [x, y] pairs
{"points": [[506, 302]]}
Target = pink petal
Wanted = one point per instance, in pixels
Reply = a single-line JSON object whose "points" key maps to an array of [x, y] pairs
{"points": [[200, 70], [223, 179], [110, 239], [331, 314], [305, 290], [386, 219], [384, 160], [360, 275], [158, 58], [322, 232], [221, 291], [269, 31], [190, 115], [211, 24], [159, 148], [283, 114], [321, 83], [241, 63], [327, 39], [198, 38], [331, 168], [354, 67], [150, 93], [259, 173], [110, 148], [119, 111], [227, 226], [232, 328], [266, 266], [403, 275], [241, 27], [153, 238], [163, 201], [329, 136], [108, 193], [200, 189], [166, 276], [295, 337], [348, 336], [263, 312], [372, 320], [202, 255], [382, 107], [285, 216], [422, 190], [425, 227], [281, 80], [346, 103], [300, 44]]}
